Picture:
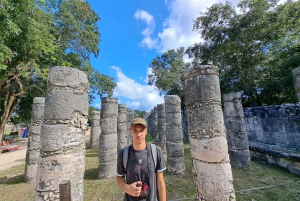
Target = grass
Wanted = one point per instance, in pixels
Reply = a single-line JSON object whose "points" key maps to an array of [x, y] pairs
{"points": [[12, 187]]}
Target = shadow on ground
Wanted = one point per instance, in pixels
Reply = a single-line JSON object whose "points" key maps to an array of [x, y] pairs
{"points": [[12, 180], [91, 174]]}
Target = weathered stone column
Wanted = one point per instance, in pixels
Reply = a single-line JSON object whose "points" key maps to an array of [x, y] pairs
{"points": [[150, 122], [34, 143], [237, 138], [185, 123], [62, 134], [161, 126], [122, 127], [154, 124], [296, 76], [208, 144], [130, 117], [174, 136], [109, 138], [95, 129]]}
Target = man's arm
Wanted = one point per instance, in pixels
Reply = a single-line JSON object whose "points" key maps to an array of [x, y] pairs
{"points": [[161, 186], [130, 189]]}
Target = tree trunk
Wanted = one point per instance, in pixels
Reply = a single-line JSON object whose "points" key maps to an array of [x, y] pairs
{"points": [[1, 131], [9, 107], [11, 100]]}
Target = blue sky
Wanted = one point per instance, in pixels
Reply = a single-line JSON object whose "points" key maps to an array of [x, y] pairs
{"points": [[133, 33]]}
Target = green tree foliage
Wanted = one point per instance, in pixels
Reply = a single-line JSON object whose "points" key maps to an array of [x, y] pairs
{"points": [[255, 48], [167, 72], [140, 113], [37, 35], [91, 109]]}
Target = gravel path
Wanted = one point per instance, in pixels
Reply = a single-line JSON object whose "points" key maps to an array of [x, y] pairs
{"points": [[16, 157]]}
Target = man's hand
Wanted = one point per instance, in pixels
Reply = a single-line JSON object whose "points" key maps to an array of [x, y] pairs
{"points": [[134, 189]]}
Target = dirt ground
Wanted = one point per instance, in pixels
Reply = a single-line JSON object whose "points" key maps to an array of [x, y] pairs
{"points": [[17, 157]]}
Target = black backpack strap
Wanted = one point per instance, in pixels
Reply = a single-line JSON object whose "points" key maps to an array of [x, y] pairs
{"points": [[125, 157]]}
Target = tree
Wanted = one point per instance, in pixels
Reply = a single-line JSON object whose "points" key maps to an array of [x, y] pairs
{"points": [[140, 113], [243, 43], [37, 35], [91, 109], [167, 72], [25, 38]]}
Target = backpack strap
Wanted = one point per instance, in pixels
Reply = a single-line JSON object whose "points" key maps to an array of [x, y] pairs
{"points": [[154, 153], [125, 157]]}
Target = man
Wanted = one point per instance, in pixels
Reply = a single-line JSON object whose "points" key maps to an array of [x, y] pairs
{"points": [[140, 180]]}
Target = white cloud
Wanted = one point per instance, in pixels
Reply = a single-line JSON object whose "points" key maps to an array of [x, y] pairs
{"points": [[147, 41], [98, 105], [142, 97], [178, 27]]}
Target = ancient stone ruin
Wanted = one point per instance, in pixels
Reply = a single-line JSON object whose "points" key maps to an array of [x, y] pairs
{"points": [[108, 138], [174, 136], [95, 129], [62, 134], [208, 144], [296, 76], [130, 117], [237, 138], [34, 144], [150, 123], [161, 127], [122, 127], [273, 133]]}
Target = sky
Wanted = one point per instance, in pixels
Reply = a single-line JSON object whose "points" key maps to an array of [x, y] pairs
{"points": [[133, 33]]}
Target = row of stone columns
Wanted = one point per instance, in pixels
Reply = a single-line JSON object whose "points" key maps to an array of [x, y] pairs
{"points": [[56, 145], [164, 125], [62, 144]]}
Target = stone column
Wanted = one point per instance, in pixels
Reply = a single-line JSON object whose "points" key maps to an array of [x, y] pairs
{"points": [[62, 134], [149, 123], [154, 124], [130, 116], [174, 136], [296, 77], [161, 126], [109, 138], [122, 127], [95, 129], [208, 144], [237, 138], [33, 147], [184, 124]]}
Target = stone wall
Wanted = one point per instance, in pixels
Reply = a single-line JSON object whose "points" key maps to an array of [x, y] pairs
{"points": [[274, 125], [274, 135]]}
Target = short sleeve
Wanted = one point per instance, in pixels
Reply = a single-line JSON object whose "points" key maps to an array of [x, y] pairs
{"points": [[120, 167], [160, 166]]}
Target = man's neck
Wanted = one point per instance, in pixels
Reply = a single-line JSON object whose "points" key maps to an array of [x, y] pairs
{"points": [[140, 146]]}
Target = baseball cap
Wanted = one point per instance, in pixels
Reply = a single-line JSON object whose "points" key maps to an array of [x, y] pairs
{"points": [[138, 121]]}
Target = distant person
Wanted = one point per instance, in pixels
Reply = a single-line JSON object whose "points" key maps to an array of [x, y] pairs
{"points": [[141, 180]]}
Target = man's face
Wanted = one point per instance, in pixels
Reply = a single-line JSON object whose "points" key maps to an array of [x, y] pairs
{"points": [[138, 133]]}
